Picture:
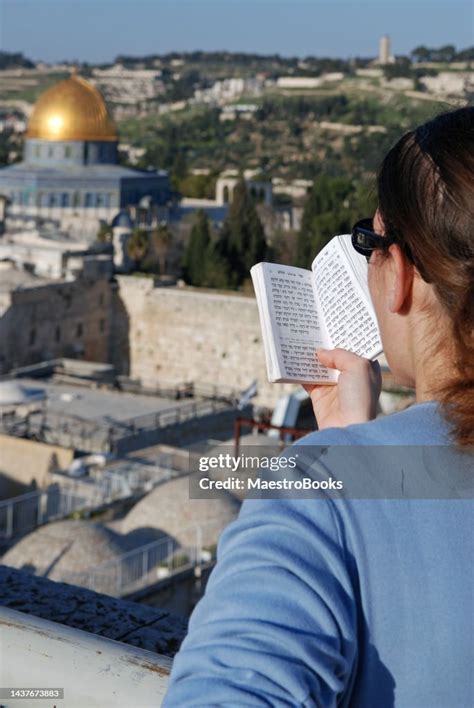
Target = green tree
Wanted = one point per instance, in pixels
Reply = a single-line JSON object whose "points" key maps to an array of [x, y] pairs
{"points": [[401, 68], [197, 186], [138, 245], [104, 234], [446, 53], [179, 168], [218, 274], [161, 240], [421, 54], [198, 254], [332, 207], [4, 149], [242, 240]]}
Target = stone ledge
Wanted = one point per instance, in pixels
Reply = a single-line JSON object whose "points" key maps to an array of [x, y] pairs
{"points": [[129, 622]]}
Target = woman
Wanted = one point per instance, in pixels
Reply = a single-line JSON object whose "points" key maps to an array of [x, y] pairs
{"points": [[368, 602]]}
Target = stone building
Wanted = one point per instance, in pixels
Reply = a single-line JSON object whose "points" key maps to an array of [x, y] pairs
{"points": [[70, 169], [42, 319], [261, 190]]}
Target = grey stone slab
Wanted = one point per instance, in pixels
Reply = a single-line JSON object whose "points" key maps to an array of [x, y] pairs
{"points": [[139, 625]]}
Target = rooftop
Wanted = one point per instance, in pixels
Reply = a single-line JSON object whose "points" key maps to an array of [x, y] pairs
{"points": [[99, 405], [13, 278], [76, 171]]}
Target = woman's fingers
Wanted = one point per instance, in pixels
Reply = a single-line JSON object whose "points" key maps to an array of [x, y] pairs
{"points": [[341, 359]]}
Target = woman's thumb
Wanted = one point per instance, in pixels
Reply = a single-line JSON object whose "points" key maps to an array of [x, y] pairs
{"points": [[339, 359]]}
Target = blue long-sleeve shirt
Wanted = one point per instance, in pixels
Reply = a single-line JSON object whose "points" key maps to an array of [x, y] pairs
{"points": [[323, 602]]}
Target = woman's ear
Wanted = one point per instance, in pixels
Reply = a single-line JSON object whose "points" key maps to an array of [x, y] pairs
{"points": [[400, 279]]}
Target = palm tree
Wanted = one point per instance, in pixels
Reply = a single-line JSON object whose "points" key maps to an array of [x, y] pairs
{"points": [[104, 234], [161, 240], [137, 246]]}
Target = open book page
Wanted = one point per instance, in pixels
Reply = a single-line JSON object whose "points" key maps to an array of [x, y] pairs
{"points": [[340, 281], [271, 358], [290, 320]]}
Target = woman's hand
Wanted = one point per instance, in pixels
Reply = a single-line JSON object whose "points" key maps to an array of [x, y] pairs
{"points": [[354, 398]]}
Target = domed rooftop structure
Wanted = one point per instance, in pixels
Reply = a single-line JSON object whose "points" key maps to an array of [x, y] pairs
{"points": [[169, 508], [72, 109], [70, 170], [122, 220], [64, 547]]}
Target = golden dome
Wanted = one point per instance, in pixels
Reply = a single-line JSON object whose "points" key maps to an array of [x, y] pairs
{"points": [[73, 109]]}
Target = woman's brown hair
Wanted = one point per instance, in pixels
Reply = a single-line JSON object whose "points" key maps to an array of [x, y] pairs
{"points": [[426, 200]]}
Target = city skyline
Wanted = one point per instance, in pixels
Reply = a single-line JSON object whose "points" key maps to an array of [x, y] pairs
{"points": [[99, 30]]}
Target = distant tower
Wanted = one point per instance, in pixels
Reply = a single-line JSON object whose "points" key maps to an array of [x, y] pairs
{"points": [[121, 232], [385, 53]]}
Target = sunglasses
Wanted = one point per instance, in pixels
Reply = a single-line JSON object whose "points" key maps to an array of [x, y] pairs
{"points": [[365, 239]]}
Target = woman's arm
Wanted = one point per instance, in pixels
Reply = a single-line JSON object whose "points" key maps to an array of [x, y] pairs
{"points": [[277, 625]]}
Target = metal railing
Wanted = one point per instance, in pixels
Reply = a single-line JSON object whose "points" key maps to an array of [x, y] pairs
{"points": [[175, 415], [24, 513], [147, 564], [93, 671], [187, 389], [262, 426], [83, 434]]}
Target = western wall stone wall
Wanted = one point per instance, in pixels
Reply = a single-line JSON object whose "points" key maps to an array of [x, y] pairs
{"points": [[175, 335], [68, 319]]}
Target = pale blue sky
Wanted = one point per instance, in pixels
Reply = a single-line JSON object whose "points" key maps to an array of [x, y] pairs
{"points": [[98, 30]]}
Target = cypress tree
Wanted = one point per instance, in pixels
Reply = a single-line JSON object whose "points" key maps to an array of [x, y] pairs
{"points": [[242, 241], [196, 256], [328, 211], [138, 245]]}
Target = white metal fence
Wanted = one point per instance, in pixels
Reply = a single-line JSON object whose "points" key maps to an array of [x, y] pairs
{"points": [[147, 564], [24, 513], [83, 434]]}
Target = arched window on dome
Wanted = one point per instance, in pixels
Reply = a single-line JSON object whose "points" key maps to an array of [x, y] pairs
{"points": [[65, 199]]}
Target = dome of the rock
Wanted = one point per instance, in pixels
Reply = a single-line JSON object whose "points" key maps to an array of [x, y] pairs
{"points": [[72, 109]]}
